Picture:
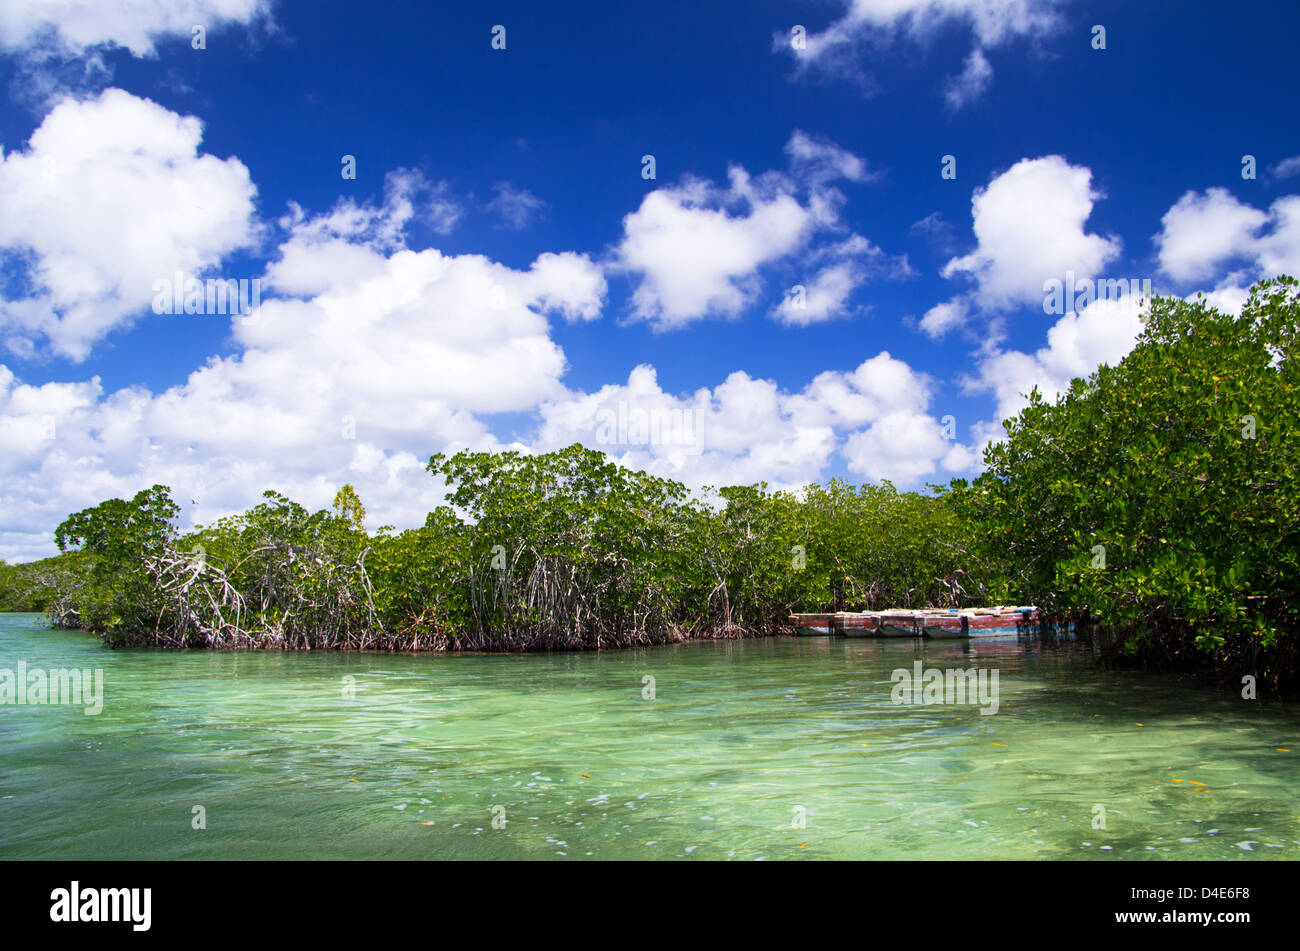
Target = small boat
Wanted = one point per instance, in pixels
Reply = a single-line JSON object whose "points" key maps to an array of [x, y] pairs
{"points": [[855, 624], [934, 623], [813, 625], [948, 625], [1002, 622], [899, 624]]}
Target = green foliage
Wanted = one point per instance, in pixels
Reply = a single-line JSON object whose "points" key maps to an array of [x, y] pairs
{"points": [[289, 577], [568, 549], [347, 506], [34, 586], [557, 550], [114, 595], [1161, 495], [421, 581], [881, 547]]}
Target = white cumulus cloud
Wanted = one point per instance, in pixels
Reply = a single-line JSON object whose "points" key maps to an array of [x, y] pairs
{"points": [[1213, 237], [747, 430], [697, 249], [1202, 231], [110, 195], [1030, 224], [696, 258]]}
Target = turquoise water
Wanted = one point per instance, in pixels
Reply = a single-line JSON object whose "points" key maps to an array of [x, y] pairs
{"points": [[764, 749]]}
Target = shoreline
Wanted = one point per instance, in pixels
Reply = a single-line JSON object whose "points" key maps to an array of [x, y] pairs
{"points": [[1109, 659], [448, 645]]}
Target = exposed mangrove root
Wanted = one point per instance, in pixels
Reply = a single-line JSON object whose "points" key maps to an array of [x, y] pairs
{"points": [[302, 597]]}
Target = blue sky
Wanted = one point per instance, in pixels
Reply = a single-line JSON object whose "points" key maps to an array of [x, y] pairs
{"points": [[500, 274]]}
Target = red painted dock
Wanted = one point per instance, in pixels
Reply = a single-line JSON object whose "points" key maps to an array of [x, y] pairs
{"points": [[936, 623]]}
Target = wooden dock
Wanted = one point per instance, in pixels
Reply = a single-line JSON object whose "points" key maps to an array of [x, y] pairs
{"points": [[937, 623]]}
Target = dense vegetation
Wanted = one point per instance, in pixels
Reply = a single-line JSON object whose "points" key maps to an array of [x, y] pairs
{"points": [[35, 585], [1163, 495], [1157, 499], [559, 550]]}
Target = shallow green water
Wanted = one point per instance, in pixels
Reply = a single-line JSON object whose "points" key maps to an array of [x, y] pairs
{"points": [[741, 741]]}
